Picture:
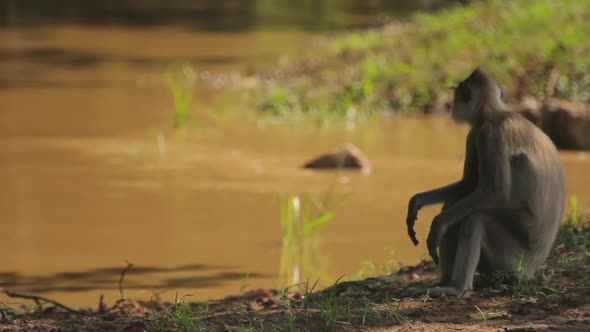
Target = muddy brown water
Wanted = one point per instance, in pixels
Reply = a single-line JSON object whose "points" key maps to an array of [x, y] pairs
{"points": [[88, 183]]}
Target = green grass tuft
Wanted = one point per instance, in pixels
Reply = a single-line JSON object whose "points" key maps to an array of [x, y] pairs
{"points": [[181, 80], [572, 219]]}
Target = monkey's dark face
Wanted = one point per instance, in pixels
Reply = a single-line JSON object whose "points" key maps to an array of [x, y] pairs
{"points": [[472, 94], [464, 103]]}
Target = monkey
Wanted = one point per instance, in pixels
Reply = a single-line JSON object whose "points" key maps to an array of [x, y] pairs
{"points": [[505, 211]]}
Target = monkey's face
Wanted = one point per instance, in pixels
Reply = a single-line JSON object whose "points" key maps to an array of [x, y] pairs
{"points": [[464, 103], [476, 91]]}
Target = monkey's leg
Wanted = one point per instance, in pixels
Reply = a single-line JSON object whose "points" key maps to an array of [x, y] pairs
{"points": [[448, 248], [447, 252], [468, 237], [493, 236], [469, 246], [491, 233]]}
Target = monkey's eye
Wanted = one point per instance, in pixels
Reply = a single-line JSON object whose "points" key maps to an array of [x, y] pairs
{"points": [[464, 92]]}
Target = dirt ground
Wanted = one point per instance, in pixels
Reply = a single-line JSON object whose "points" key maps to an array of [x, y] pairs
{"points": [[372, 304]]}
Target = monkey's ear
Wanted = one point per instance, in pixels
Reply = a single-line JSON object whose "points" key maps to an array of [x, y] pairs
{"points": [[501, 92], [464, 92]]}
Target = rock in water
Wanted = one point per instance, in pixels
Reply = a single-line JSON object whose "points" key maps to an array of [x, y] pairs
{"points": [[346, 156], [567, 123]]}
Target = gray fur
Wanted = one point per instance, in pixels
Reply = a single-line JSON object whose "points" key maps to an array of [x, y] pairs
{"points": [[503, 215]]}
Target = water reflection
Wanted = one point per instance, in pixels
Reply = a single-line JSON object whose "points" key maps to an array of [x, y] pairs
{"points": [[136, 278], [302, 220]]}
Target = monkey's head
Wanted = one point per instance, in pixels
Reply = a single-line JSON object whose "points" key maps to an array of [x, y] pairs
{"points": [[476, 94]]}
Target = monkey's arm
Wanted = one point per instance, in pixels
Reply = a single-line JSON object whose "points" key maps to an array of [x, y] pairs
{"points": [[493, 188], [448, 193], [420, 200]]}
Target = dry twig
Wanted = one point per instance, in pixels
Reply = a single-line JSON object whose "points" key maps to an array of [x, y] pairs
{"points": [[129, 266], [102, 307], [38, 299]]}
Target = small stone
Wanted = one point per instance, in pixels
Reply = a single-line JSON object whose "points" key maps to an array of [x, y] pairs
{"points": [[346, 156]]}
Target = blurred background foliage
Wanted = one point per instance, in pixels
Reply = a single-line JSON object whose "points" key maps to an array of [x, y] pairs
{"points": [[407, 66]]}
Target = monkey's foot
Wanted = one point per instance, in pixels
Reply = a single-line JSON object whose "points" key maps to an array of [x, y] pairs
{"points": [[436, 291]]}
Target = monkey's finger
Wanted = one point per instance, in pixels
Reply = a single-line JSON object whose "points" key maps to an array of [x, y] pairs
{"points": [[410, 224], [412, 235]]}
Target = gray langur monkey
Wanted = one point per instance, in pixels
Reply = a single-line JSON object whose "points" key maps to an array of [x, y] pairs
{"points": [[504, 214]]}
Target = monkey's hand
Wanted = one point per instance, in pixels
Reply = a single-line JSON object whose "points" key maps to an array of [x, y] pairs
{"points": [[413, 208], [434, 237]]}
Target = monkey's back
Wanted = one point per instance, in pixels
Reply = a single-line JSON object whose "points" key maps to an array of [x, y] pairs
{"points": [[537, 180]]}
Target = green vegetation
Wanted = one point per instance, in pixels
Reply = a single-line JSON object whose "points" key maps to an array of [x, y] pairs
{"points": [[371, 268], [329, 311], [404, 67], [368, 315], [181, 80], [302, 219], [572, 219], [7, 313], [394, 312], [180, 316]]}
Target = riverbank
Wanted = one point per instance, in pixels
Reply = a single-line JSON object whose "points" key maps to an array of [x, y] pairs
{"points": [[535, 48], [557, 299]]}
